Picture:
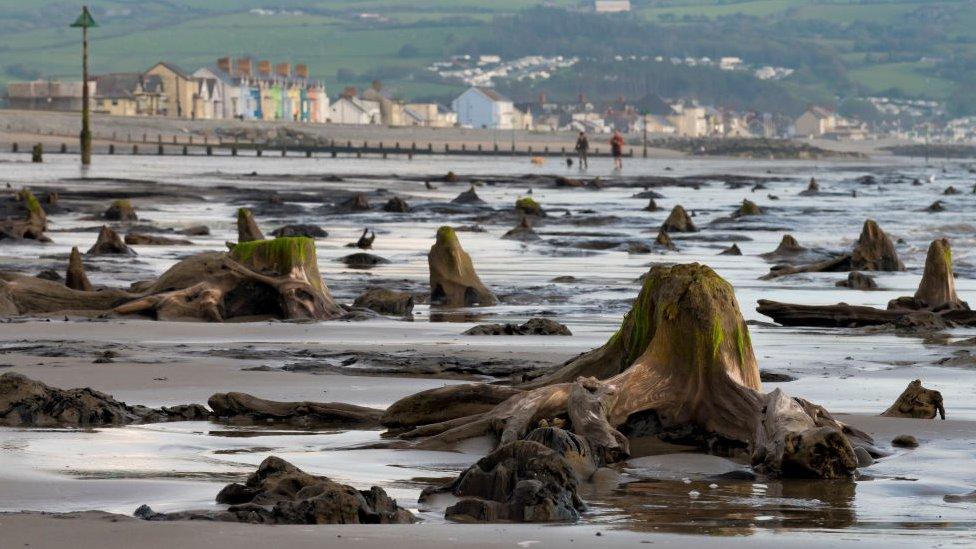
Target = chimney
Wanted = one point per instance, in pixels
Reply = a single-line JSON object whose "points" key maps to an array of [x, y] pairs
{"points": [[542, 98], [244, 67], [224, 64], [283, 69], [264, 68], [301, 70]]}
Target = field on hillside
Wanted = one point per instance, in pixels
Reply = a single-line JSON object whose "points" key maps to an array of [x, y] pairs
{"points": [[882, 46]]}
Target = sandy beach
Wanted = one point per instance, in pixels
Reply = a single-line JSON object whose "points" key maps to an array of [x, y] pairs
{"points": [[81, 486]]}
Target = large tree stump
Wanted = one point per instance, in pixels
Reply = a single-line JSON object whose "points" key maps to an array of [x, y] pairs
{"points": [[682, 353], [937, 290], [261, 279], [453, 280]]}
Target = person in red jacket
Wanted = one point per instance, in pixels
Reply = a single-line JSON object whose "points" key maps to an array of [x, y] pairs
{"points": [[617, 149]]}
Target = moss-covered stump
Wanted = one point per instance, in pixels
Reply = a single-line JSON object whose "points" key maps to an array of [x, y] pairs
{"points": [[747, 208], [678, 221], [682, 354], [937, 290], [528, 206], [453, 280], [260, 279], [75, 278], [247, 227], [917, 402], [120, 210], [30, 221]]}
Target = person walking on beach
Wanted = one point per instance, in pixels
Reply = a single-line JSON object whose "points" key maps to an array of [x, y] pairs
{"points": [[617, 148], [582, 147]]}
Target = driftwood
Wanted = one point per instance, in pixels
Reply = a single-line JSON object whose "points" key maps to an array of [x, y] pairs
{"points": [[874, 252], [366, 242], [268, 278], [453, 280], [683, 354], [935, 303], [241, 406]]}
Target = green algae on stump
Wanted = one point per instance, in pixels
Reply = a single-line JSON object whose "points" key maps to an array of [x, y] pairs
{"points": [[247, 227], [528, 206], [31, 226], [453, 280], [121, 210], [937, 290]]}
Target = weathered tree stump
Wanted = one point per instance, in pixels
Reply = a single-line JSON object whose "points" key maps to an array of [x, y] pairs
{"points": [[75, 278], [247, 227], [453, 280], [917, 402]]}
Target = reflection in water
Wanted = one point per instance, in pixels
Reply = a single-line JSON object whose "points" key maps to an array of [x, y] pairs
{"points": [[731, 508]]}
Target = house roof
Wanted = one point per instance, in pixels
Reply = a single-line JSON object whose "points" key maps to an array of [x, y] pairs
{"points": [[820, 112], [179, 72], [491, 94], [654, 105], [117, 85]]}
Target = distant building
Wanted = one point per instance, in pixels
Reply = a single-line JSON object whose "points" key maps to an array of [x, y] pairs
{"points": [[391, 110], [128, 94], [611, 6], [179, 88], [689, 120], [815, 122], [353, 110], [480, 107], [430, 115], [47, 95]]}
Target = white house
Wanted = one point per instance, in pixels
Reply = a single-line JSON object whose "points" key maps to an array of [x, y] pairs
{"points": [[352, 110], [238, 101], [485, 108]]}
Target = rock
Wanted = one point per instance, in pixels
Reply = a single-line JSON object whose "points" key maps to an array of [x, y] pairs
{"points": [[935, 207], [864, 458], [363, 260], [304, 229], [196, 230], [663, 240], [678, 222], [904, 441], [917, 402], [247, 227], [396, 205], [651, 206], [109, 243], [731, 250], [28, 403], [386, 302], [245, 407], [140, 239], [858, 281], [535, 326], [523, 231], [748, 208], [468, 197], [866, 180], [75, 278], [50, 274], [357, 203], [528, 206], [453, 280], [522, 481], [280, 493], [120, 210]]}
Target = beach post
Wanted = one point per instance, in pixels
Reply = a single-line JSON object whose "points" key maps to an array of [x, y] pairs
{"points": [[135, 149], [84, 21], [111, 148], [64, 148], [14, 148]]}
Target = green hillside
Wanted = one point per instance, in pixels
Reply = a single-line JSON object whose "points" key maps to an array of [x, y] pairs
{"points": [[839, 48]]}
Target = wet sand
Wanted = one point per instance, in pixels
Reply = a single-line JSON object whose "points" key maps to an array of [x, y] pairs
{"points": [[175, 466]]}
